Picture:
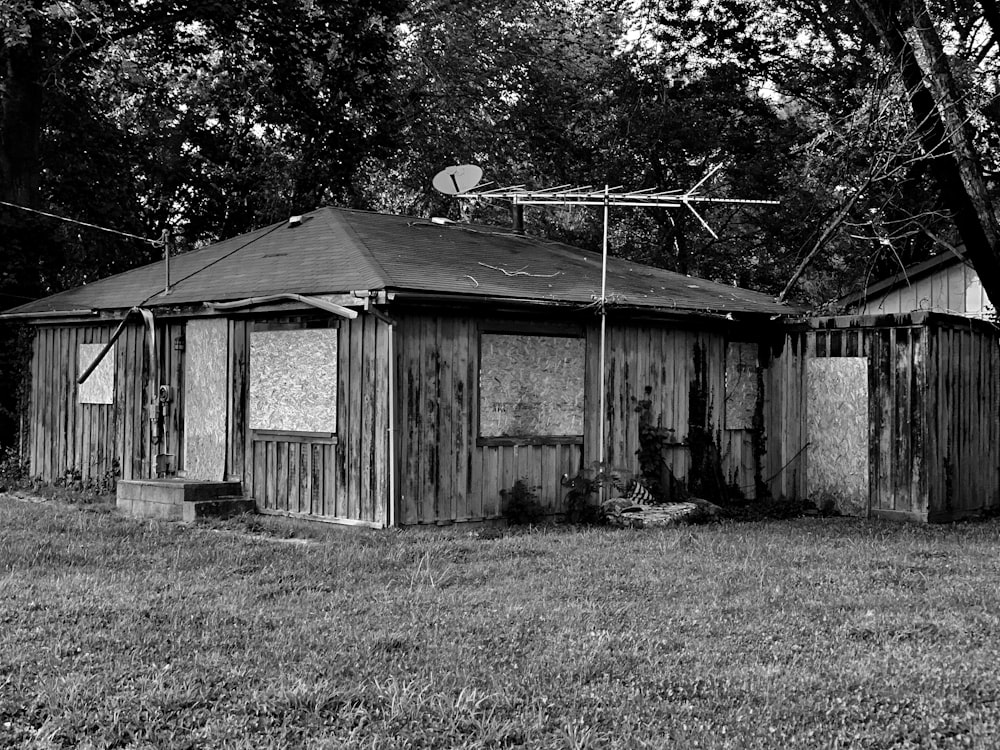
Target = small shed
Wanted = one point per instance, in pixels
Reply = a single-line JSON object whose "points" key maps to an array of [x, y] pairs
{"points": [[380, 370], [899, 414]]}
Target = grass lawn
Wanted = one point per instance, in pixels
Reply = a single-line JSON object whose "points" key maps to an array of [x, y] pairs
{"points": [[822, 633]]}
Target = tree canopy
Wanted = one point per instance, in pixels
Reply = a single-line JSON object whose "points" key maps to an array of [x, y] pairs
{"points": [[874, 124]]}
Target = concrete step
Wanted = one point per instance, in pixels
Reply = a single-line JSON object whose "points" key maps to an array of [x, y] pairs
{"points": [[180, 499]]}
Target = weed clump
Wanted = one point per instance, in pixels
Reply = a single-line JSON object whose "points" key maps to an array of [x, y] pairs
{"points": [[521, 504]]}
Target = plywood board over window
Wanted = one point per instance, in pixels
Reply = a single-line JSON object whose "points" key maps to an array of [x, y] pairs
{"points": [[99, 387], [293, 380], [742, 388], [206, 383], [530, 386]]}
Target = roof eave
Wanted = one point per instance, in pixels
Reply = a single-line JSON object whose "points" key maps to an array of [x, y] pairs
{"points": [[664, 310]]}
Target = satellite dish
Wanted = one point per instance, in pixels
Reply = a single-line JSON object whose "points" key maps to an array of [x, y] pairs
{"points": [[457, 179]]}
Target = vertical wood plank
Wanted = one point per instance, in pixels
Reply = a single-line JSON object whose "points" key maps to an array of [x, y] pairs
{"points": [[74, 454], [328, 496], [65, 336], [270, 475], [429, 446], [293, 469], [47, 397], [120, 408], [355, 427], [313, 481], [35, 400], [886, 394], [918, 417], [902, 375], [240, 464], [258, 475], [963, 407], [491, 481], [369, 437], [411, 342], [381, 467], [464, 384], [445, 479], [304, 489], [342, 450]]}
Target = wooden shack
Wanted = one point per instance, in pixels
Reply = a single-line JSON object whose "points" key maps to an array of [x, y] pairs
{"points": [[898, 415], [381, 370], [378, 370]]}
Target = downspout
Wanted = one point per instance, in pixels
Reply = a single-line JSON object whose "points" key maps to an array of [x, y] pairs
{"points": [[107, 347], [156, 406], [392, 423], [154, 364], [316, 302]]}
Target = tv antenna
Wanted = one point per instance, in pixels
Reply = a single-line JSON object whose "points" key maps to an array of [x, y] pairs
{"points": [[463, 182]]}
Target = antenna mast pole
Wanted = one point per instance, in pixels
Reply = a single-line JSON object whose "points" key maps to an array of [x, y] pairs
{"points": [[463, 182], [604, 321]]}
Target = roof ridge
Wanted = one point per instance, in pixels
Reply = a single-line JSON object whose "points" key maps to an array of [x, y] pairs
{"points": [[331, 211]]}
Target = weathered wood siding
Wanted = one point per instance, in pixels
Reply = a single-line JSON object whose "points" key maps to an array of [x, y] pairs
{"points": [[784, 415], [448, 474], [962, 420], [955, 290], [444, 473], [934, 411], [97, 442], [344, 478], [664, 364]]}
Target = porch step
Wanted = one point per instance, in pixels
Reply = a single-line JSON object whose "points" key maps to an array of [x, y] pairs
{"points": [[180, 499]]}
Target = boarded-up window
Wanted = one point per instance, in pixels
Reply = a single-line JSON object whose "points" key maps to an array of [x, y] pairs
{"points": [[741, 385], [293, 380], [530, 386], [99, 387]]}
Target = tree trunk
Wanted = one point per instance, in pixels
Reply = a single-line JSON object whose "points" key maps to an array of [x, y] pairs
{"points": [[20, 123], [942, 127]]}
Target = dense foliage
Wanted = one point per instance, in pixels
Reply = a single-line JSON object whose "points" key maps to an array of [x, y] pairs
{"points": [[874, 124]]}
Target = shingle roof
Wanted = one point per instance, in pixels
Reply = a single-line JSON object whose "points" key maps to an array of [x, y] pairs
{"points": [[341, 250]]}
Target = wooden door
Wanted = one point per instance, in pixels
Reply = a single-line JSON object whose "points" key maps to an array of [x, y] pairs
{"points": [[837, 471], [205, 394]]}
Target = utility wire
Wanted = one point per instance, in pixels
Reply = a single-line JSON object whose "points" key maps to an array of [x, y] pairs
{"points": [[156, 243]]}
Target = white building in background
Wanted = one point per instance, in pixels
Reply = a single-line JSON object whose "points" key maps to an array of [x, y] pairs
{"points": [[946, 283]]}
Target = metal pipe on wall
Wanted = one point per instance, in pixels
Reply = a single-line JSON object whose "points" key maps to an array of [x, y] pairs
{"points": [[392, 423]]}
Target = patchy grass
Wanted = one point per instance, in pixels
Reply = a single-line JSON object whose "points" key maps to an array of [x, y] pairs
{"points": [[822, 633]]}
